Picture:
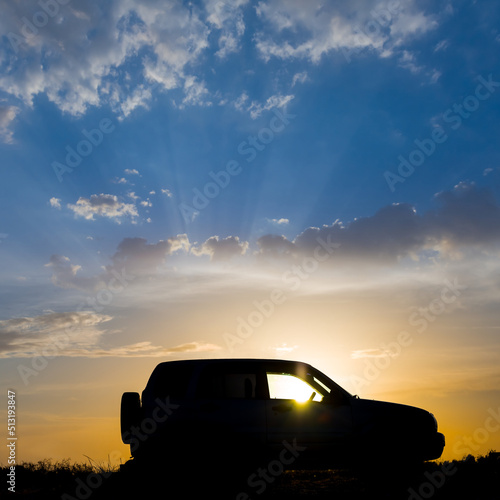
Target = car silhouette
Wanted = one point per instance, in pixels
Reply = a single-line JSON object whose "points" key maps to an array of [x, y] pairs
{"points": [[249, 408]]}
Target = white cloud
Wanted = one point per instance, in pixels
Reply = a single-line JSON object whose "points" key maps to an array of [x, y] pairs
{"points": [[120, 180], [103, 205], [195, 93], [371, 353], [77, 57], [279, 222], [7, 116], [131, 171], [240, 102], [167, 193], [442, 45], [349, 27], [275, 101], [299, 78], [55, 203], [284, 349], [227, 18], [139, 98], [407, 60]]}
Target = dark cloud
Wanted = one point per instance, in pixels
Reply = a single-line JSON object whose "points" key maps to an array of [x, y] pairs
{"points": [[465, 216], [134, 257], [64, 274], [76, 334], [221, 249], [274, 245], [139, 256]]}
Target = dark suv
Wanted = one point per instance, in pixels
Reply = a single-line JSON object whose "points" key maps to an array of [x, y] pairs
{"points": [[255, 407]]}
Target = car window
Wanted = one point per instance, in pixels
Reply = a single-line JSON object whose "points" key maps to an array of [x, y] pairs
{"points": [[221, 385], [289, 386], [172, 380]]}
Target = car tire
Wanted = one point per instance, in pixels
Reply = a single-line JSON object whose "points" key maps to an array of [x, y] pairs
{"points": [[130, 414]]}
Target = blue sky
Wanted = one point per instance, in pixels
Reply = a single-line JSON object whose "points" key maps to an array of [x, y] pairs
{"points": [[200, 149]]}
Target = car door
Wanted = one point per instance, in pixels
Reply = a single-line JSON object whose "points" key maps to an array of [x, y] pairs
{"points": [[300, 407], [229, 405]]}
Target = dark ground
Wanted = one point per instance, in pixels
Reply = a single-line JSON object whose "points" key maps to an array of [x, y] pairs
{"points": [[474, 478]]}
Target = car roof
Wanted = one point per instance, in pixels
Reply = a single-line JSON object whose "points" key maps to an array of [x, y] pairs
{"points": [[209, 361]]}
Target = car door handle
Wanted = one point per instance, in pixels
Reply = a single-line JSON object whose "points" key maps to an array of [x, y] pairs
{"points": [[282, 407]]}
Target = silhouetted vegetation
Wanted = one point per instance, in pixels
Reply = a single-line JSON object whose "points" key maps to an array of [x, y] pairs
{"points": [[470, 478]]}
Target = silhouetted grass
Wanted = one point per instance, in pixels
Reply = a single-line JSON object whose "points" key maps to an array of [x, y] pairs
{"points": [[470, 478]]}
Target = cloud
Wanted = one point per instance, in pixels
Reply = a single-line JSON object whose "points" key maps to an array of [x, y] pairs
{"points": [[54, 332], [284, 349], [227, 19], [299, 78], [134, 258], [76, 334], [145, 350], [465, 216], [7, 116], [221, 249], [80, 57], [77, 56], [103, 205], [273, 245], [279, 222], [371, 353], [140, 257], [64, 274], [195, 93], [55, 203], [275, 101], [131, 171], [348, 27], [442, 45]]}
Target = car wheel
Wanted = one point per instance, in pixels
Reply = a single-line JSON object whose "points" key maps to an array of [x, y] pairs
{"points": [[130, 414]]}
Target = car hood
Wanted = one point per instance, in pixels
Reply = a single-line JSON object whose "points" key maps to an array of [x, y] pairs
{"points": [[367, 412]]}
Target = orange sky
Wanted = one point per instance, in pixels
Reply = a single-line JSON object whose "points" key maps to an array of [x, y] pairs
{"points": [[363, 334]]}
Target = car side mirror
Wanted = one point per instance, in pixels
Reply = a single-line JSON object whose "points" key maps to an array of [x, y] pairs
{"points": [[336, 399]]}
